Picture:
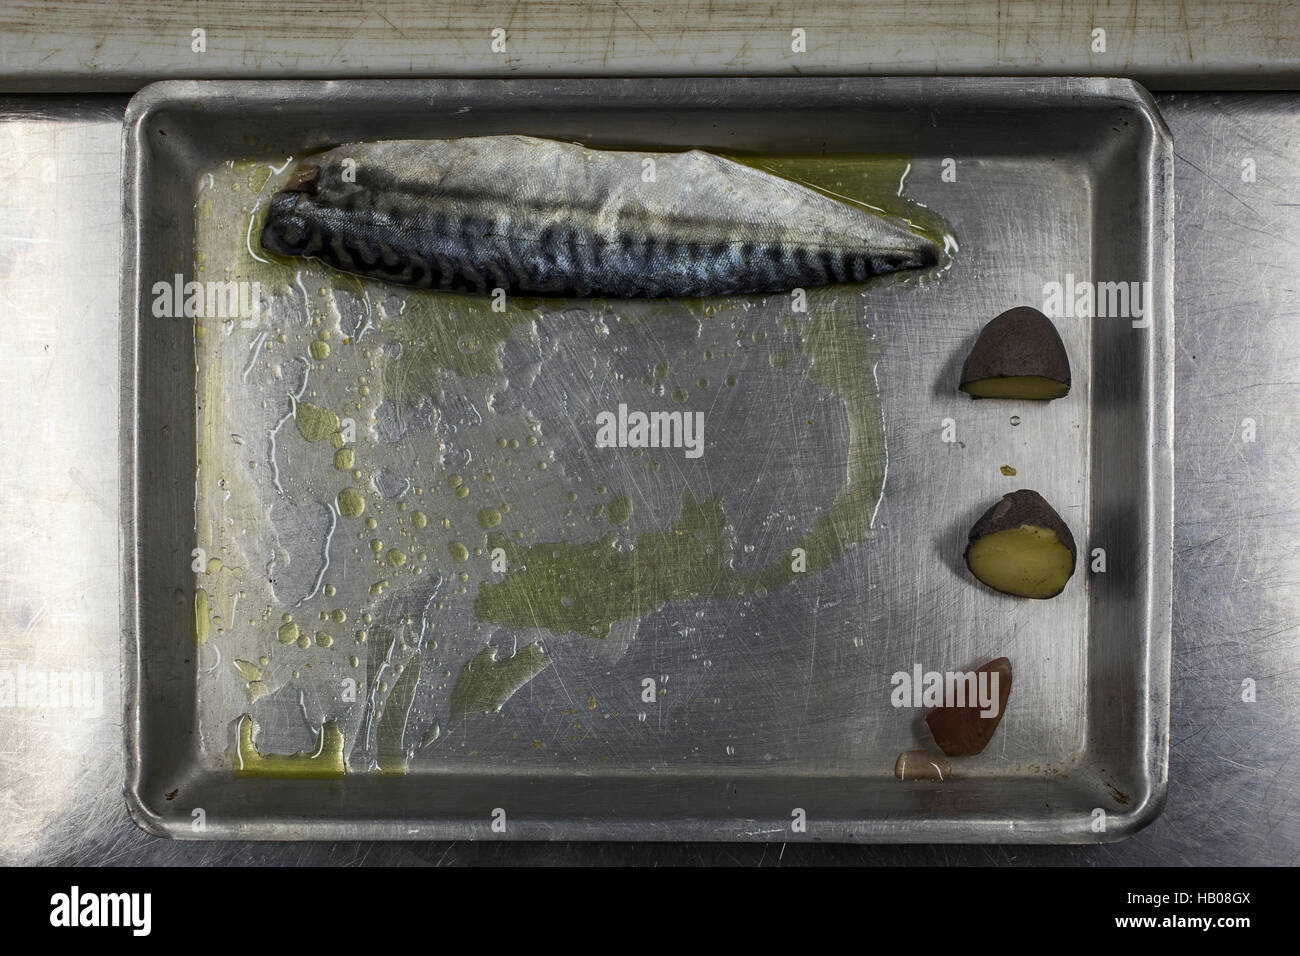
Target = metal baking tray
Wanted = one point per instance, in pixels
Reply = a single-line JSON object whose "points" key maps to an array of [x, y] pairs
{"points": [[766, 717]]}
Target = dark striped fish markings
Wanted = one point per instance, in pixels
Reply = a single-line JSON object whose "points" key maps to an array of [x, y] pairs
{"points": [[538, 217]]}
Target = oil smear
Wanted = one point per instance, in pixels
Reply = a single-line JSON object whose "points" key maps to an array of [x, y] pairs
{"points": [[449, 487], [324, 760], [485, 683]]}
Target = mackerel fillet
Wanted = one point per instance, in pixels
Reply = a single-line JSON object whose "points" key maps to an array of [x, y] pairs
{"points": [[539, 217]]}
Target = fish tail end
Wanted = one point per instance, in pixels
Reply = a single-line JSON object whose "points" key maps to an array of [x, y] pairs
{"points": [[305, 179]]}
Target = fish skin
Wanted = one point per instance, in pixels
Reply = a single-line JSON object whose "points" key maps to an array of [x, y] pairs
{"points": [[540, 217]]}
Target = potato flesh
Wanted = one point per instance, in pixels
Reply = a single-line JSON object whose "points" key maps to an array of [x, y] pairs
{"points": [[1032, 387], [1028, 561]]}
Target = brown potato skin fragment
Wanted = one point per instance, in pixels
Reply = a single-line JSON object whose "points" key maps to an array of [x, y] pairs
{"points": [[961, 731], [1023, 507], [1019, 342]]}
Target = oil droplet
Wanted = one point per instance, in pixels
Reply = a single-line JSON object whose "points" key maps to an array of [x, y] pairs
{"points": [[680, 395], [455, 481], [319, 350], [1015, 419], [619, 509], [288, 632], [330, 590], [489, 518], [419, 519], [462, 491], [344, 459], [778, 359], [351, 503], [458, 551], [1008, 471], [315, 423], [731, 381], [661, 369], [324, 640], [396, 558], [339, 616], [376, 545], [304, 641]]}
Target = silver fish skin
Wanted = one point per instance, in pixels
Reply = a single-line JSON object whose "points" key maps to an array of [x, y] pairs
{"points": [[540, 217]]}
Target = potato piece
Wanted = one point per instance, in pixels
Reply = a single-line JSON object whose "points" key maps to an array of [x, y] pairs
{"points": [[921, 765], [1021, 546], [963, 731], [1017, 355]]}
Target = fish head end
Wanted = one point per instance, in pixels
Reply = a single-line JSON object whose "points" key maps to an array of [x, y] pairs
{"points": [[921, 254]]}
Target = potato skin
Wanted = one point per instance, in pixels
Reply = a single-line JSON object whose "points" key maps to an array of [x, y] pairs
{"points": [[1018, 508], [1019, 342]]}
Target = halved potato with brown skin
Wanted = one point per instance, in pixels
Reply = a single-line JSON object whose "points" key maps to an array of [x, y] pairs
{"points": [[1021, 546], [1018, 355]]}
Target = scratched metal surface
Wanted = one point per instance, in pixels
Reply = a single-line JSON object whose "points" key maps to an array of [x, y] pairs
{"points": [[1234, 775], [1198, 44]]}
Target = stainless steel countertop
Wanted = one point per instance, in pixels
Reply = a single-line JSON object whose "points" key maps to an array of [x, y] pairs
{"points": [[1234, 792]]}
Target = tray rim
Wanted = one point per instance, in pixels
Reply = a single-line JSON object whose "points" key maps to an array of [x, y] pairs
{"points": [[1159, 484]]}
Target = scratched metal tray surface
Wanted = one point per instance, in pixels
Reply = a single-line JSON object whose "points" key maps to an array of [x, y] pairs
{"points": [[296, 669]]}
